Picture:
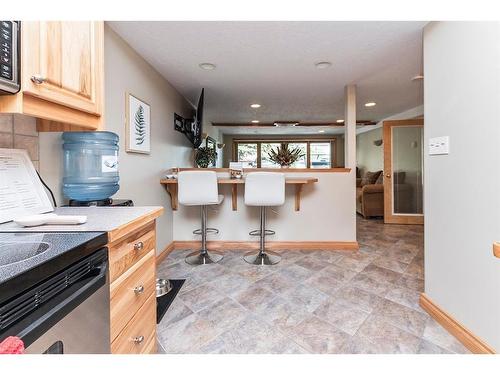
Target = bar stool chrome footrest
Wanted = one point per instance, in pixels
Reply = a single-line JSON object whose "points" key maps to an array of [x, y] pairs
{"points": [[256, 232], [262, 258], [209, 230], [196, 258]]}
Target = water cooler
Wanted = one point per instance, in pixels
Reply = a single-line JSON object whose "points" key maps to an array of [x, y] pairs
{"points": [[91, 169]]}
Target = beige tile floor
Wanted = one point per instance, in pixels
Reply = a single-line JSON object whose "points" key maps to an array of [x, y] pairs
{"points": [[311, 302]]}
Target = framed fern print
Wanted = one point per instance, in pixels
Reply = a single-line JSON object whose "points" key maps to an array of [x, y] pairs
{"points": [[138, 123]]}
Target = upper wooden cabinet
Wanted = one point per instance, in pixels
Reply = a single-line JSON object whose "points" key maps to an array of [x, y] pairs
{"points": [[62, 79], [64, 63]]}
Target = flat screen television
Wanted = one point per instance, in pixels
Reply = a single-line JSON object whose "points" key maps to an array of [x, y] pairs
{"points": [[192, 128]]}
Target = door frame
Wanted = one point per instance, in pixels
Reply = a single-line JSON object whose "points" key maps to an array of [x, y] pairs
{"points": [[389, 217]]}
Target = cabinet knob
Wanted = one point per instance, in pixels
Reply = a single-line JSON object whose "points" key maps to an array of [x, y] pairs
{"points": [[138, 340], [139, 246], [388, 175], [38, 79], [139, 289]]}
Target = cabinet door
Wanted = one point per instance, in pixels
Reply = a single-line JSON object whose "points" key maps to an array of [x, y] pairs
{"points": [[63, 63]]}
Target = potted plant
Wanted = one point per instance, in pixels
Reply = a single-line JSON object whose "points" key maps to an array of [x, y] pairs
{"points": [[204, 157], [285, 156]]}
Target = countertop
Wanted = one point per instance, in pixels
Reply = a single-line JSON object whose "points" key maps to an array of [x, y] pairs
{"points": [[239, 181], [99, 219], [104, 225]]}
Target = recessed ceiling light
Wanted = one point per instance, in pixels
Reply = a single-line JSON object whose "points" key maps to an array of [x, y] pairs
{"points": [[323, 64], [340, 121], [370, 104], [255, 105], [417, 78], [285, 124], [255, 121], [207, 66], [321, 131]]}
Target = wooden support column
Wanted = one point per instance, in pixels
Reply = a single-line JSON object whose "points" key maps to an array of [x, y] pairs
{"points": [[350, 126], [350, 149]]}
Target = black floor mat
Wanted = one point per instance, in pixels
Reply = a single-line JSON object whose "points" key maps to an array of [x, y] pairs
{"points": [[164, 302]]}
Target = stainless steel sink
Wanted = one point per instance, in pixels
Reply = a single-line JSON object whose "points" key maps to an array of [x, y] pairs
{"points": [[15, 252]]}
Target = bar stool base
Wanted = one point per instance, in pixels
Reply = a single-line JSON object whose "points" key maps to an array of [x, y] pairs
{"points": [[258, 258], [197, 257]]}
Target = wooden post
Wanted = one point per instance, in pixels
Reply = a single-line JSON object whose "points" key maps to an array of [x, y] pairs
{"points": [[350, 126]]}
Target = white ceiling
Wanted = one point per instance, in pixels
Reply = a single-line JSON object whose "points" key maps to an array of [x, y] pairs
{"points": [[272, 63], [272, 130]]}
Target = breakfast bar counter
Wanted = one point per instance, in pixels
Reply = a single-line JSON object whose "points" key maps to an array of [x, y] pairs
{"points": [[171, 186], [321, 199]]}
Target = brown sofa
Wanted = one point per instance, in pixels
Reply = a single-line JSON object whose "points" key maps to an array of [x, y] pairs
{"points": [[370, 198]]}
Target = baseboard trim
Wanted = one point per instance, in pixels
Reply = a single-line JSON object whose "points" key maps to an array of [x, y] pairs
{"points": [[167, 250], [466, 337], [276, 245], [253, 245]]}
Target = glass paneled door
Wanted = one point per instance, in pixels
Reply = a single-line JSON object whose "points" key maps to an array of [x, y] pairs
{"points": [[403, 171]]}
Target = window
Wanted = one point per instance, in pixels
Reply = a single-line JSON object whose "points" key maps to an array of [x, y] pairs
{"points": [[265, 162], [320, 155], [247, 153], [317, 153], [302, 161]]}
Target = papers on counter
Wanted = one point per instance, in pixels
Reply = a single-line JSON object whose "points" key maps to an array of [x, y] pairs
{"points": [[21, 192], [236, 166]]}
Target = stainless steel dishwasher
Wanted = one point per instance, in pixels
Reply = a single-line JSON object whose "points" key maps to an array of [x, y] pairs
{"points": [[66, 313]]}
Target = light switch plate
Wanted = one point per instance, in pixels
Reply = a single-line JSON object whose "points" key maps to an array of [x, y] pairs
{"points": [[439, 146]]}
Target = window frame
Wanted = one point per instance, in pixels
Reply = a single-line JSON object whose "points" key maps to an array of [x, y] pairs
{"points": [[307, 141]]}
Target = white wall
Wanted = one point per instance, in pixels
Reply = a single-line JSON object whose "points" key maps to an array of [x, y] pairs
{"points": [[368, 156], [462, 189], [327, 213], [216, 134], [126, 71]]}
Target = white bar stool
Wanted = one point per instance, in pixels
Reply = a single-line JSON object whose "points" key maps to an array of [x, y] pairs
{"points": [[264, 189], [199, 188]]}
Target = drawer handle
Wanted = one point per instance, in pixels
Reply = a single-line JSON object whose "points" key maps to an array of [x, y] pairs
{"points": [[138, 340], [139, 289], [38, 79], [139, 246]]}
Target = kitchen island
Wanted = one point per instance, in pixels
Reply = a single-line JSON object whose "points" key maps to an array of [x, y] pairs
{"points": [[323, 200]]}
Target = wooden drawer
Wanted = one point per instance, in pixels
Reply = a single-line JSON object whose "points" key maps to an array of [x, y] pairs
{"points": [[124, 299], [139, 336], [125, 253]]}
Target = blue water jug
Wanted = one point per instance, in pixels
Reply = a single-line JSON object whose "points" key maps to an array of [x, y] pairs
{"points": [[90, 165]]}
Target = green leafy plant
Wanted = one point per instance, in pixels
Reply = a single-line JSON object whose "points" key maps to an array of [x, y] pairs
{"points": [[140, 126], [204, 157], [285, 156]]}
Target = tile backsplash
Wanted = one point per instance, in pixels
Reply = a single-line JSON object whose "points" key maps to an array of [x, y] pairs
{"points": [[19, 131]]}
